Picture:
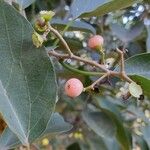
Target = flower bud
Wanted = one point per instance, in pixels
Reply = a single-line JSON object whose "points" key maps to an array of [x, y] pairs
{"points": [[47, 15], [40, 25], [37, 39]]}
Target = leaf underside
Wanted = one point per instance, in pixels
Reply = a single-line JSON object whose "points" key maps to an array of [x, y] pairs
{"points": [[28, 87]]}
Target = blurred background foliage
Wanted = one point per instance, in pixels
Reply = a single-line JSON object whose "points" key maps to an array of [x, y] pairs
{"points": [[102, 119]]}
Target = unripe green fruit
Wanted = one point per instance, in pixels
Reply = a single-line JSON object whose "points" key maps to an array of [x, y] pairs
{"points": [[37, 39], [96, 42], [73, 87]]}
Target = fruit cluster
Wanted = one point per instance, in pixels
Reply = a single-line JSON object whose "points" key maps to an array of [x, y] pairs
{"points": [[73, 86]]}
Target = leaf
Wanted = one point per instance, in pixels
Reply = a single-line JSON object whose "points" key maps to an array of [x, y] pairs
{"points": [[56, 125], [141, 142], [27, 98], [111, 110], [25, 3], [97, 143], [135, 90], [76, 25], [97, 7], [138, 68], [74, 146], [84, 146], [138, 113], [127, 35], [8, 140], [100, 123], [138, 65], [146, 133], [104, 144], [74, 44], [147, 1]]}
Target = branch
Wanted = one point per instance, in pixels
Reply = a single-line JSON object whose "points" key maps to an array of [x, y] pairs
{"points": [[122, 67], [61, 39], [96, 82], [74, 57], [121, 53]]}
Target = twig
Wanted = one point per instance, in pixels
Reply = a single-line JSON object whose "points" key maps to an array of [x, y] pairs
{"points": [[121, 53], [61, 39], [103, 57], [122, 67], [102, 54], [94, 83], [74, 57], [46, 34], [121, 75], [65, 29], [28, 147]]}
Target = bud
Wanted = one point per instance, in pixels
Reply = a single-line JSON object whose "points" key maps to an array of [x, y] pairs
{"points": [[109, 62], [47, 15], [37, 39], [40, 25], [45, 142]]}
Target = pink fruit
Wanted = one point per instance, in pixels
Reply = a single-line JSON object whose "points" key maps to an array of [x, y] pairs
{"points": [[73, 87], [95, 41]]}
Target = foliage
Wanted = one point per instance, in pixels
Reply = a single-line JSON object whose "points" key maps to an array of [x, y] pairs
{"points": [[39, 51]]}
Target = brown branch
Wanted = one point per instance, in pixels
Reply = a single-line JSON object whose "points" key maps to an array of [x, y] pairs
{"points": [[96, 82], [122, 67], [121, 53], [62, 40], [46, 34], [92, 63], [67, 56]]}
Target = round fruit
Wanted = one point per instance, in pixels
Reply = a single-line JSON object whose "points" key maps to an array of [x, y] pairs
{"points": [[73, 87], [95, 41]]}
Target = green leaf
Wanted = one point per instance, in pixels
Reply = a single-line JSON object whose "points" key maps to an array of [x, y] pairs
{"points": [[8, 140], [97, 143], [141, 142], [100, 123], [74, 146], [111, 110], [127, 35], [75, 26], [87, 8], [138, 65], [138, 68], [147, 1], [25, 3], [56, 125], [27, 98], [138, 113], [146, 133]]}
